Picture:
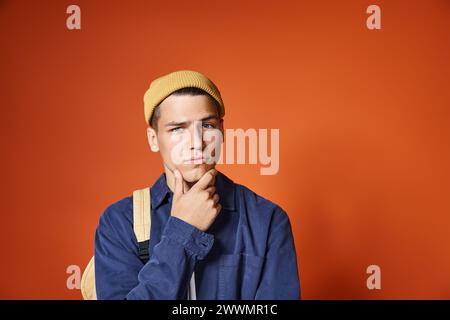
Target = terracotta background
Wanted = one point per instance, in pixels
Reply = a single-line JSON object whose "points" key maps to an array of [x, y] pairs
{"points": [[363, 117]]}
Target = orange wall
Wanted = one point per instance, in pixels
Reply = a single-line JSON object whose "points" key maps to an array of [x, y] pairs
{"points": [[363, 118]]}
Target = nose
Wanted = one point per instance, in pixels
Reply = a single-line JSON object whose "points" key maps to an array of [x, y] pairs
{"points": [[197, 136]]}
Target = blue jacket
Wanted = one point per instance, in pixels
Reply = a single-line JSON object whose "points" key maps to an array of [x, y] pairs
{"points": [[247, 253]]}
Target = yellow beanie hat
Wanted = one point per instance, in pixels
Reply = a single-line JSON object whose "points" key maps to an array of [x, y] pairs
{"points": [[164, 86]]}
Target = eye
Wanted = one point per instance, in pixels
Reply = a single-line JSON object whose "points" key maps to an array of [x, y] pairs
{"points": [[208, 126], [175, 129]]}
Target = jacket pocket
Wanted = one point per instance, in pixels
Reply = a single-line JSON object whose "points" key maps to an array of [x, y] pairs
{"points": [[239, 275]]}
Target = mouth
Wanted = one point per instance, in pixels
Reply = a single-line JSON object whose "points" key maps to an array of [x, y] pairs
{"points": [[195, 160]]}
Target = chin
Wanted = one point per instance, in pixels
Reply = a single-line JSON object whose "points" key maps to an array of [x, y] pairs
{"points": [[193, 172]]}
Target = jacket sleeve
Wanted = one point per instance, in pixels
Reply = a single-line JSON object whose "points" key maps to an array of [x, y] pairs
{"points": [[280, 278], [120, 274]]}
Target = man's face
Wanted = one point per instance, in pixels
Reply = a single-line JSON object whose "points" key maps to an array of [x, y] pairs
{"points": [[185, 136]]}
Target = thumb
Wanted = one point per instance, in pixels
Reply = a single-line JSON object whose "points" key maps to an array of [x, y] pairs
{"points": [[178, 189]]}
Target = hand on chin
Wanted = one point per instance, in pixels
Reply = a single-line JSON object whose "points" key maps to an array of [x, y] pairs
{"points": [[193, 172]]}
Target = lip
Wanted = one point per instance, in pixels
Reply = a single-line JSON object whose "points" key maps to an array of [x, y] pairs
{"points": [[195, 160]]}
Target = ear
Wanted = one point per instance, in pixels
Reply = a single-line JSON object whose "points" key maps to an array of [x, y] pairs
{"points": [[152, 139]]}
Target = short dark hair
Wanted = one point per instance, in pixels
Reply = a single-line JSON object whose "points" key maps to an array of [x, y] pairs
{"points": [[192, 91]]}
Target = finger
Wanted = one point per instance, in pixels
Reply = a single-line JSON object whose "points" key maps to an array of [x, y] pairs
{"points": [[185, 184], [212, 183], [211, 190], [216, 199], [205, 181], [179, 186]]}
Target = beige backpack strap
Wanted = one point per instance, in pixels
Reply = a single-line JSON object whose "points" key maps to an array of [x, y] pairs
{"points": [[141, 214], [141, 225]]}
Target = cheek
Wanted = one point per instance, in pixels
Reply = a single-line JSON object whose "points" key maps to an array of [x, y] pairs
{"points": [[164, 145], [173, 147], [213, 141]]}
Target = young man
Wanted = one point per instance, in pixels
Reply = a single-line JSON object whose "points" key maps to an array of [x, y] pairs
{"points": [[236, 243]]}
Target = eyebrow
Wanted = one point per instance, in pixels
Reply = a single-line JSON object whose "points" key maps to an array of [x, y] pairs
{"points": [[174, 123]]}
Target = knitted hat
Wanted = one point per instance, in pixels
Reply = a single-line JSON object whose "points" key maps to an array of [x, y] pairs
{"points": [[164, 86]]}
